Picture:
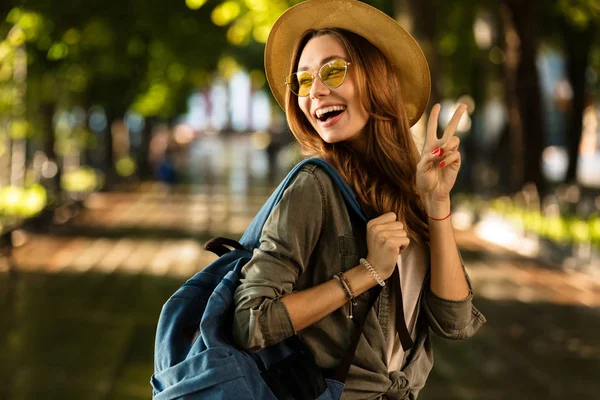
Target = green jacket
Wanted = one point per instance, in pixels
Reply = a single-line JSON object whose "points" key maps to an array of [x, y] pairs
{"points": [[306, 240]]}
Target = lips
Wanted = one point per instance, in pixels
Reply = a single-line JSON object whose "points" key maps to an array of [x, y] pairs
{"points": [[331, 121], [331, 107]]}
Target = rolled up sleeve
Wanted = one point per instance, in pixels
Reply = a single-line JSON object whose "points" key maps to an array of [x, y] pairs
{"points": [[452, 319], [286, 245]]}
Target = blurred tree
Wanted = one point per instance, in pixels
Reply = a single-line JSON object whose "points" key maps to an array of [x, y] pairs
{"points": [[424, 25], [149, 55], [578, 23], [523, 94], [455, 62], [247, 24], [143, 55]]}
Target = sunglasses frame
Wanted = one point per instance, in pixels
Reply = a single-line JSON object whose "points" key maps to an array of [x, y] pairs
{"points": [[346, 64]]}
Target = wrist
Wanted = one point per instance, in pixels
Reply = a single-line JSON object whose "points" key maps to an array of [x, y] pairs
{"points": [[372, 271], [437, 207], [360, 279]]}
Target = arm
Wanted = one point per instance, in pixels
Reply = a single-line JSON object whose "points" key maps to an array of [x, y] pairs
{"points": [[267, 310], [448, 280], [305, 311], [385, 236], [448, 299], [296, 310], [436, 174]]}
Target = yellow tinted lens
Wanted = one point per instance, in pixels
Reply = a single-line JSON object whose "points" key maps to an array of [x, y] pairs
{"points": [[333, 73], [304, 83], [300, 83]]}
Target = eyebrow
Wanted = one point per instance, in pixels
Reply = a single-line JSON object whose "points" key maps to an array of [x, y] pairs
{"points": [[323, 62]]}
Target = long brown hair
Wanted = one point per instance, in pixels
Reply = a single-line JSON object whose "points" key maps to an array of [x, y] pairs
{"points": [[384, 176]]}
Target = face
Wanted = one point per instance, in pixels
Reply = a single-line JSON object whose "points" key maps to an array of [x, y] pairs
{"points": [[332, 127]]}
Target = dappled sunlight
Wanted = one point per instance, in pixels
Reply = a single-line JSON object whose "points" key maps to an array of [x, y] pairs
{"points": [[497, 230], [51, 254], [527, 282]]}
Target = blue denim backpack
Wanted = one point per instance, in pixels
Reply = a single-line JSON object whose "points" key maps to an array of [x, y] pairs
{"points": [[194, 355]]}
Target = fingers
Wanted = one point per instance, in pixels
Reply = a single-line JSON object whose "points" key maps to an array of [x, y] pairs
{"points": [[453, 124], [428, 158], [450, 145], [437, 155], [386, 239], [388, 234], [431, 136], [382, 219], [386, 227], [452, 159], [394, 242], [431, 139]]}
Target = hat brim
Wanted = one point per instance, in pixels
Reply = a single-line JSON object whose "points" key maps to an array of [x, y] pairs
{"points": [[378, 28]]}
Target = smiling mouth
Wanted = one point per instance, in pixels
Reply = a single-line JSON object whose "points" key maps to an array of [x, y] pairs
{"points": [[327, 113]]}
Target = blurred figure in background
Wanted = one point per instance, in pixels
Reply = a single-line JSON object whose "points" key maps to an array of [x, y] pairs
{"points": [[166, 171]]}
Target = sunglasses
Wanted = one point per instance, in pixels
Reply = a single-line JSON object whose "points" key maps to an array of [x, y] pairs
{"points": [[332, 75]]}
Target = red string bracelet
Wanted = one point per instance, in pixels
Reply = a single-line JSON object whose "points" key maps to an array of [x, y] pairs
{"points": [[439, 219]]}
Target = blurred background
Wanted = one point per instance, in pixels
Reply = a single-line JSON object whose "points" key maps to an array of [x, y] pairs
{"points": [[131, 132]]}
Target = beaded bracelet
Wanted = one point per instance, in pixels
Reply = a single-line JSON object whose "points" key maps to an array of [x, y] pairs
{"points": [[348, 290], [372, 271], [347, 283]]}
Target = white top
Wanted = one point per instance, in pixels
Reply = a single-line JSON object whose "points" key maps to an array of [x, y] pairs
{"points": [[413, 267]]}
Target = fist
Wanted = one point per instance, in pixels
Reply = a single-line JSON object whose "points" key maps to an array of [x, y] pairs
{"points": [[386, 239]]}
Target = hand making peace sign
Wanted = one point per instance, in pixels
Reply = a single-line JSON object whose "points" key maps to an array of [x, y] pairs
{"points": [[440, 160]]}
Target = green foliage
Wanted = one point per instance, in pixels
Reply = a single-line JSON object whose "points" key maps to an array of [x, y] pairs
{"points": [[126, 167], [22, 202], [247, 20], [580, 13], [18, 129], [563, 229], [113, 53], [82, 180]]}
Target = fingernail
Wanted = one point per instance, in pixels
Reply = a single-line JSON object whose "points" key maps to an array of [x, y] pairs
{"points": [[435, 151], [442, 164], [442, 153]]}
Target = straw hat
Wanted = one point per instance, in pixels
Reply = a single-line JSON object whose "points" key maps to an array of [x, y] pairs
{"points": [[385, 33]]}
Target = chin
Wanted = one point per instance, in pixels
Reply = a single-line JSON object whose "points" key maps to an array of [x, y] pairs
{"points": [[331, 140]]}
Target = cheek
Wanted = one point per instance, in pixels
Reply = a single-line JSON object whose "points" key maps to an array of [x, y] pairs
{"points": [[304, 106]]}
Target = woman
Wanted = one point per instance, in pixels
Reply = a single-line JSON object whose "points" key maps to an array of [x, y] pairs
{"points": [[356, 82]]}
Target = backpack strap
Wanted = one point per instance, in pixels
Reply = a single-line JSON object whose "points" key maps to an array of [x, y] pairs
{"points": [[219, 245], [251, 238], [341, 372]]}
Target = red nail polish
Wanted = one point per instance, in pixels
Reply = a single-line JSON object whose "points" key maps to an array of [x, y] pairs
{"points": [[442, 164], [442, 153], [435, 151]]}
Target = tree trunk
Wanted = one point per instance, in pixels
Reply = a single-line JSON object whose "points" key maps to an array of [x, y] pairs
{"points": [[577, 48], [426, 32], [5, 7], [109, 156], [514, 129], [47, 111], [143, 152], [524, 94]]}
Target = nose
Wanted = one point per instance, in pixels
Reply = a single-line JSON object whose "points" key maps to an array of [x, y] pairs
{"points": [[318, 89]]}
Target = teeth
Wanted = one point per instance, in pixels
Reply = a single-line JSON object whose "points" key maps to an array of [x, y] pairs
{"points": [[320, 112]]}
